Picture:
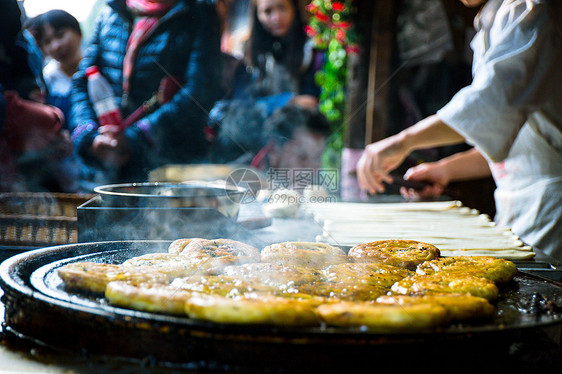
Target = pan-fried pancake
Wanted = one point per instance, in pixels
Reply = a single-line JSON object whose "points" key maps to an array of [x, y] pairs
{"points": [[496, 269], [301, 283], [93, 277], [148, 297], [402, 253], [307, 254], [228, 251], [365, 273], [384, 317], [432, 284], [171, 298], [273, 274], [343, 291], [459, 306], [174, 265], [177, 246], [253, 309], [228, 285], [222, 285]]}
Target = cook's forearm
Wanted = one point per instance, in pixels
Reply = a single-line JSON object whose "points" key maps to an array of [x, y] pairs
{"points": [[466, 165], [428, 133]]}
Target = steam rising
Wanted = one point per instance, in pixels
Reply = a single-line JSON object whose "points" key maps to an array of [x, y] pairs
{"points": [[98, 222]]}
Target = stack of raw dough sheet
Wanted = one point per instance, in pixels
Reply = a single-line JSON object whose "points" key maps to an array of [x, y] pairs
{"points": [[451, 227]]}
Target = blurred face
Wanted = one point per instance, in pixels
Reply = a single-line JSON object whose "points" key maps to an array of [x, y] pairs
{"points": [[63, 44], [472, 3], [276, 16], [303, 151]]}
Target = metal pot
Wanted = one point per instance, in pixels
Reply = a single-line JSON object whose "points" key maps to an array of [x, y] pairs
{"points": [[224, 198]]}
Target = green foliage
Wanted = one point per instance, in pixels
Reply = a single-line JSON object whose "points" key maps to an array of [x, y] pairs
{"points": [[332, 30]]}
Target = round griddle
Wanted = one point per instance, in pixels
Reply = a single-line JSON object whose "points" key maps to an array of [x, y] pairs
{"points": [[38, 307]]}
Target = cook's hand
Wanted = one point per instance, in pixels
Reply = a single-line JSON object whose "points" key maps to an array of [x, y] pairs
{"points": [[431, 172], [111, 147], [377, 161]]}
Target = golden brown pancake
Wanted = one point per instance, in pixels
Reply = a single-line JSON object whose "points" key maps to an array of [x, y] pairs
{"points": [[343, 291], [255, 309], [93, 277], [432, 284], [273, 274], [148, 297], [402, 253], [496, 269], [365, 273], [384, 317], [390, 285], [307, 254], [173, 265], [228, 251], [223, 285], [459, 306]]}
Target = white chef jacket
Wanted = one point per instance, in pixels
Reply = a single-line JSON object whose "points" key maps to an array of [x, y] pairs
{"points": [[512, 113]]}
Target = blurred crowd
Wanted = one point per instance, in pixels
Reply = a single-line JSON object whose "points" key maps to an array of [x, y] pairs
{"points": [[179, 96], [168, 90]]}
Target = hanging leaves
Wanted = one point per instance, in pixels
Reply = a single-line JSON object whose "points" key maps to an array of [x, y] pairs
{"points": [[331, 28]]}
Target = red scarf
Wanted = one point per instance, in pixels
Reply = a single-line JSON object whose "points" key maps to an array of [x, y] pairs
{"points": [[150, 12]]}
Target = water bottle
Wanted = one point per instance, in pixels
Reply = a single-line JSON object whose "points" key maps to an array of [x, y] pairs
{"points": [[101, 95]]}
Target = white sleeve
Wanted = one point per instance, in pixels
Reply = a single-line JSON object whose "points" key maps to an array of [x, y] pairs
{"points": [[511, 79]]}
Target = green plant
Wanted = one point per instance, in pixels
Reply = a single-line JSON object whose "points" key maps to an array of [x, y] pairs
{"points": [[331, 28]]}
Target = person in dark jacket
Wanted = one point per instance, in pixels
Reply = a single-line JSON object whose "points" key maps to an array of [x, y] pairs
{"points": [[136, 44], [16, 74], [278, 69], [31, 137]]}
